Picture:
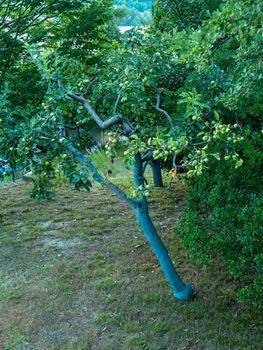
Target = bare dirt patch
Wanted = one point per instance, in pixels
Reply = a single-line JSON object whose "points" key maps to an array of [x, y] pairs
{"points": [[62, 244]]}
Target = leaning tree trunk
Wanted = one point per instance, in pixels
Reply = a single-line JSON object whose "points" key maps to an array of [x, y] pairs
{"points": [[157, 173], [181, 290]]}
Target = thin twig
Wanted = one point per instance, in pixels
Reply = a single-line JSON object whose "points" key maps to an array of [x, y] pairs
{"points": [[116, 104]]}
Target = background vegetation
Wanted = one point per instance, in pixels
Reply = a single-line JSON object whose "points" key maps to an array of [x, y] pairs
{"points": [[136, 12]]}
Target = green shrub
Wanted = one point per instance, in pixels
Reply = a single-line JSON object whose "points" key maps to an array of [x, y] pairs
{"points": [[223, 218]]}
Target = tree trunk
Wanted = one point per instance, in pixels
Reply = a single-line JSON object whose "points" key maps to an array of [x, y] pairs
{"points": [[157, 173], [181, 290]]}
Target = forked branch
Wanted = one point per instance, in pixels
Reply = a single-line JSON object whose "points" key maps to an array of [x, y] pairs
{"points": [[115, 119]]}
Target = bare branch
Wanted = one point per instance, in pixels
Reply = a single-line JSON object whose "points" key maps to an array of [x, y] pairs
{"points": [[159, 109], [89, 85], [116, 119]]}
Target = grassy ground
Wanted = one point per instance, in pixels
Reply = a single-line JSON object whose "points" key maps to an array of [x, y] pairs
{"points": [[77, 274]]}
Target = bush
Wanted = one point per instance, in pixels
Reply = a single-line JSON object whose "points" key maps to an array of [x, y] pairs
{"points": [[223, 218]]}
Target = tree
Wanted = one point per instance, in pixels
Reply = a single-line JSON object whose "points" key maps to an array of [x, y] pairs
{"points": [[181, 290], [55, 147], [73, 28], [29, 21], [36, 137]]}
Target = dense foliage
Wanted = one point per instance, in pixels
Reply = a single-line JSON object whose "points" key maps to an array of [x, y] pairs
{"points": [[83, 30], [171, 14], [223, 217]]}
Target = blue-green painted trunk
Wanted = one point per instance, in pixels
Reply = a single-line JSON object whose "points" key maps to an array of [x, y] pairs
{"points": [[181, 290], [157, 173]]}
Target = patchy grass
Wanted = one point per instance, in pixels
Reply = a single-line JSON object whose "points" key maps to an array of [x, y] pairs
{"points": [[8, 295], [161, 327], [136, 342], [15, 340], [152, 298], [132, 327], [105, 284], [101, 317], [77, 274]]}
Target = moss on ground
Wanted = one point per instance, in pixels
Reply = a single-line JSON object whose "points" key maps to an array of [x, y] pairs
{"points": [[77, 274]]}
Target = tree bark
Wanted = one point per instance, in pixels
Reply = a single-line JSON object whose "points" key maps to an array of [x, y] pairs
{"points": [[181, 290], [157, 173]]}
